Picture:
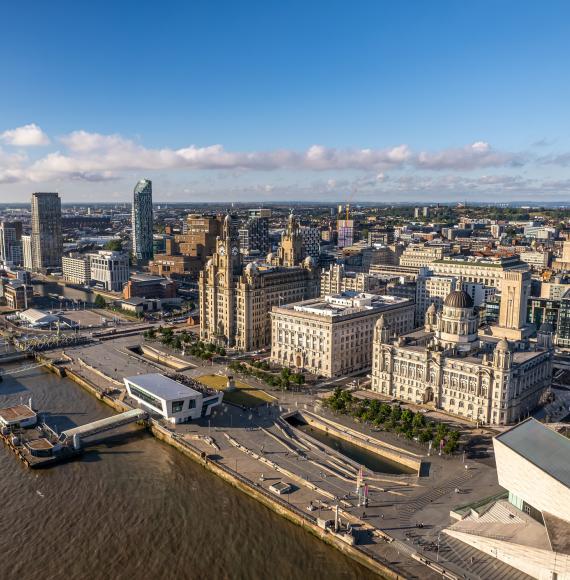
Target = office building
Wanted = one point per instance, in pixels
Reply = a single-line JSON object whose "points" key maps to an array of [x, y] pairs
{"points": [[187, 253], [76, 269], [420, 255], [145, 286], [11, 243], [18, 295], [335, 279], [311, 242], [448, 366], [332, 336], [142, 221], [27, 252], [47, 241], [488, 271], [109, 270], [345, 229], [254, 235], [235, 301]]}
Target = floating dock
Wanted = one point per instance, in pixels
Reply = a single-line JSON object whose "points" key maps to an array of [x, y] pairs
{"points": [[37, 445]]}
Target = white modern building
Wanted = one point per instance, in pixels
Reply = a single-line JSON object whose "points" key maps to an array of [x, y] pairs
{"points": [[530, 530], [109, 269], [174, 401]]}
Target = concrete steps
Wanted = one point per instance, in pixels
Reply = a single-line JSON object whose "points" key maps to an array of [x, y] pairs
{"points": [[476, 564]]}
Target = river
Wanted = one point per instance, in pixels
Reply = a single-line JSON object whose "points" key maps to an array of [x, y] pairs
{"points": [[133, 507]]}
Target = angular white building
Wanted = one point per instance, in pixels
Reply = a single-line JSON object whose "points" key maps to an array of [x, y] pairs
{"points": [[531, 530], [174, 401]]}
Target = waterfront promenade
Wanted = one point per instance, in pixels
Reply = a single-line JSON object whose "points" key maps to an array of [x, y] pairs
{"points": [[258, 446]]}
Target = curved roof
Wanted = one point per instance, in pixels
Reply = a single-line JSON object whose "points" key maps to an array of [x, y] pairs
{"points": [[459, 299]]}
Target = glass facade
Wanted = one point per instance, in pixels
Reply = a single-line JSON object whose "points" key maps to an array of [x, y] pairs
{"points": [[142, 221], [146, 397]]}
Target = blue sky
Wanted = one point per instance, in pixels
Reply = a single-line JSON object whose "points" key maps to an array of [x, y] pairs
{"points": [[375, 101]]}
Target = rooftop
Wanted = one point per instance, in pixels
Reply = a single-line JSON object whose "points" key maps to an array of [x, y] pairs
{"points": [[543, 447], [346, 303], [16, 413], [162, 386]]}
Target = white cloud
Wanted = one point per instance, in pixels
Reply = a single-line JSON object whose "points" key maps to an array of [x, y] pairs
{"points": [[26, 136], [477, 155], [94, 157]]}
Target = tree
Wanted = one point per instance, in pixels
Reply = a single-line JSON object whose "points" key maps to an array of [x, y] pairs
{"points": [[100, 302], [396, 413], [418, 421], [114, 246]]}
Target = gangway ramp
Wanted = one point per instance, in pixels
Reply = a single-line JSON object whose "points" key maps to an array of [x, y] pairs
{"points": [[105, 424]]}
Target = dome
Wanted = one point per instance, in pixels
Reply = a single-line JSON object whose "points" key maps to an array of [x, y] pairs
{"points": [[309, 262], [270, 257], [432, 309], [546, 328], [251, 268], [459, 299], [502, 345], [380, 323]]}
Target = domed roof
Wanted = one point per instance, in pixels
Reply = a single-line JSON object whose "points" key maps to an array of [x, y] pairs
{"points": [[309, 262], [432, 308], [251, 268], [459, 299], [502, 345]]}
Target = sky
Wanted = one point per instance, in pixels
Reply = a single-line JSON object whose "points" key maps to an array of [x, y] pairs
{"points": [[373, 101]]}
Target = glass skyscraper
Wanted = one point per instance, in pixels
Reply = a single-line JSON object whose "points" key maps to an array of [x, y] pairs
{"points": [[142, 221], [47, 241]]}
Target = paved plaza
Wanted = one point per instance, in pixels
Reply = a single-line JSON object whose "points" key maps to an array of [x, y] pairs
{"points": [[411, 510]]}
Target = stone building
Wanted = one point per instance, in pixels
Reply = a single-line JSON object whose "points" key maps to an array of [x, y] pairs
{"points": [[336, 279], [488, 271], [447, 365], [332, 336], [187, 253], [235, 301], [420, 255]]}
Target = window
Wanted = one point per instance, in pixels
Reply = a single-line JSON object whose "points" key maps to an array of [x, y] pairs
{"points": [[177, 406], [146, 397]]}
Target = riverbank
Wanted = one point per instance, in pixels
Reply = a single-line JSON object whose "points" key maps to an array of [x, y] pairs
{"points": [[236, 480]]}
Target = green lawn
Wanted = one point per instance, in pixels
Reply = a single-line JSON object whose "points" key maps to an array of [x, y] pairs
{"points": [[244, 395]]}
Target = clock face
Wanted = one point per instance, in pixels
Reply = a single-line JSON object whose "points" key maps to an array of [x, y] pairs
{"points": [[234, 251], [221, 250]]}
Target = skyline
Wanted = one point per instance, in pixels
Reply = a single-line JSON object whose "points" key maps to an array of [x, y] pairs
{"points": [[377, 104]]}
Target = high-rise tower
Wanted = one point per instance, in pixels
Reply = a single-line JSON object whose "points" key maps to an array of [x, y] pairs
{"points": [[142, 221], [47, 242]]}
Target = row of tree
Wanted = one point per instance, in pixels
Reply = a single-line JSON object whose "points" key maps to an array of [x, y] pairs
{"points": [[185, 341], [390, 417], [259, 370]]}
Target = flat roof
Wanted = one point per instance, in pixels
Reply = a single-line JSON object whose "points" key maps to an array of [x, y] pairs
{"points": [[162, 386], [17, 413], [35, 315], [39, 444], [543, 447]]}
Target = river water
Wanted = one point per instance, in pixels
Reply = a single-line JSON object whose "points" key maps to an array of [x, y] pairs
{"points": [[133, 507]]}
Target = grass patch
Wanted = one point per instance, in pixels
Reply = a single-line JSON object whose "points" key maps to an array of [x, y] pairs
{"points": [[244, 395]]}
